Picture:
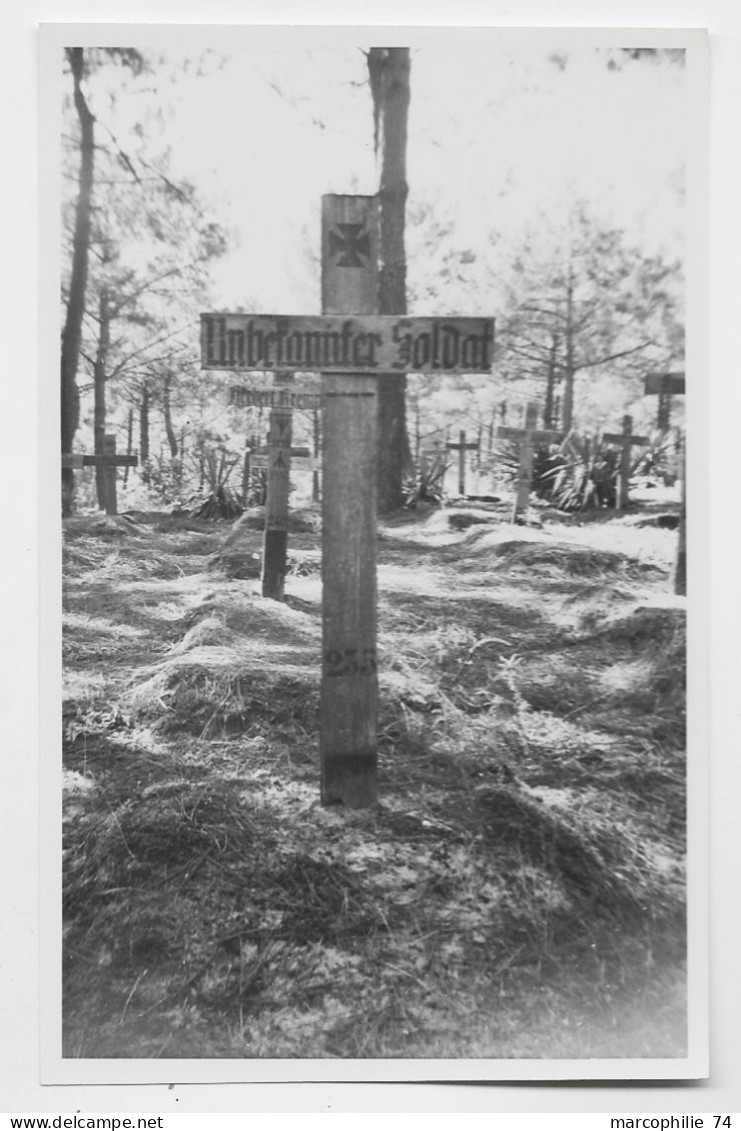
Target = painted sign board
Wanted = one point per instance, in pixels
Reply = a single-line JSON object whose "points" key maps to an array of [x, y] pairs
{"points": [[664, 383], [276, 396], [367, 343]]}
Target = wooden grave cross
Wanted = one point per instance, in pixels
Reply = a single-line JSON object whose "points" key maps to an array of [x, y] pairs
{"points": [[350, 345], [528, 437], [626, 441], [666, 386], [275, 540], [680, 569], [106, 459], [283, 397], [462, 447]]}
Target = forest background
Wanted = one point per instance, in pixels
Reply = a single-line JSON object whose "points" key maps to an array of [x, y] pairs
{"points": [[546, 189]]}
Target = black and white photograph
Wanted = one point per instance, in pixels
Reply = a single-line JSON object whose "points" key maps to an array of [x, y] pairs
{"points": [[376, 346]]}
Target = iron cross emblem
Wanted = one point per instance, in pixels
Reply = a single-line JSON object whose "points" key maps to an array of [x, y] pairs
{"points": [[352, 243]]}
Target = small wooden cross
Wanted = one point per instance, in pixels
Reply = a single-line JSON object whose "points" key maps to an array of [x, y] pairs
{"points": [[528, 437], [626, 441], [108, 460], [462, 447], [275, 540]]}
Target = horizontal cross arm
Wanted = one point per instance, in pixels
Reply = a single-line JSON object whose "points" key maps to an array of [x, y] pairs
{"points": [[621, 438], [297, 452], [547, 436], [299, 463], [77, 460], [533, 436]]}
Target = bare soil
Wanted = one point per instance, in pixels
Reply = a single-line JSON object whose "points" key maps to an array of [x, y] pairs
{"points": [[519, 889]]}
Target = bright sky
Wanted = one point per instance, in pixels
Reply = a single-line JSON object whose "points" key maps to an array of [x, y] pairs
{"points": [[497, 135]]}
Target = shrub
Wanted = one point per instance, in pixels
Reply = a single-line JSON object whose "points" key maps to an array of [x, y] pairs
{"points": [[165, 479], [581, 475], [426, 483], [221, 500]]}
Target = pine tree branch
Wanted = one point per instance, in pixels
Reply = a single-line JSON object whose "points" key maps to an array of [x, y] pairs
{"points": [[613, 356]]}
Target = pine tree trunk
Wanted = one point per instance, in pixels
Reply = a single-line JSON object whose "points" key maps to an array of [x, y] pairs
{"points": [[570, 370], [72, 331], [549, 419], [144, 426], [167, 414], [388, 71], [99, 410]]}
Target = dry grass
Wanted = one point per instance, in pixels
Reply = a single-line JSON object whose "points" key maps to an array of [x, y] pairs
{"points": [[518, 891]]}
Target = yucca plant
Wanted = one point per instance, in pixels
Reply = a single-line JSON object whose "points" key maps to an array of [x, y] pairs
{"points": [[426, 484], [583, 473], [506, 460]]}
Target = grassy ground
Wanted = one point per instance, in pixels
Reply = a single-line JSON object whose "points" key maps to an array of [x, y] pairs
{"points": [[518, 891]]}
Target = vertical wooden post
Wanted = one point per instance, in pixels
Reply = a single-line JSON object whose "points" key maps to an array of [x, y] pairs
{"points": [[680, 572], [349, 691], [246, 475], [275, 546], [626, 440], [317, 450], [109, 473], [525, 469], [624, 493], [462, 447], [664, 410], [526, 438], [462, 463], [129, 442]]}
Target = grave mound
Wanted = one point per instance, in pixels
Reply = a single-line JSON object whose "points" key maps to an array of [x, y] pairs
{"points": [[241, 665], [240, 555]]}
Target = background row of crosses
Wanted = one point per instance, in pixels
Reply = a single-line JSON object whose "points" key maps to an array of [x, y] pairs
{"points": [[664, 386]]}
